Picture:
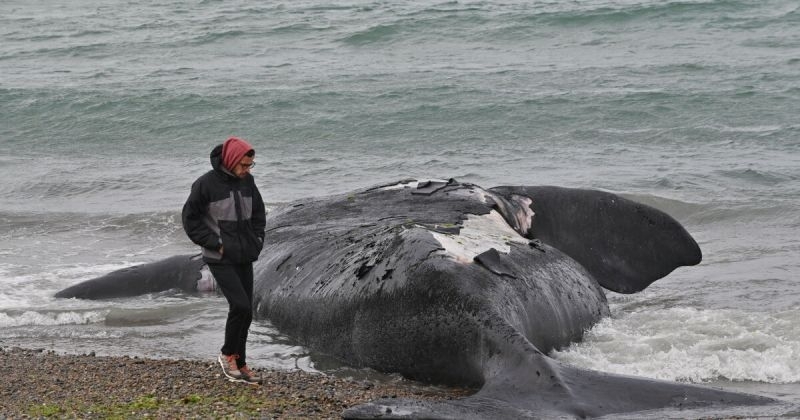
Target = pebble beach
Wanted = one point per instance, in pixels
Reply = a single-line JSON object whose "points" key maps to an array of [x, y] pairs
{"points": [[37, 383], [108, 110]]}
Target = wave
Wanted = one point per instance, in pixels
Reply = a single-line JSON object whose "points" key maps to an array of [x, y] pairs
{"points": [[212, 37], [91, 50], [509, 21], [89, 32], [77, 188], [21, 36], [49, 318], [676, 208], [430, 23], [41, 223], [625, 12], [779, 42], [150, 316], [724, 210], [693, 345], [776, 15], [757, 177], [373, 34], [760, 212], [389, 22]]}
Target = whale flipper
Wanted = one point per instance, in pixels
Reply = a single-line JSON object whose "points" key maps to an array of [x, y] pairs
{"points": [[625, 245], [178, 272]]}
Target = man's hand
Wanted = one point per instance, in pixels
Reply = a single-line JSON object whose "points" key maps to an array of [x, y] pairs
{"points": [[221, 250]]}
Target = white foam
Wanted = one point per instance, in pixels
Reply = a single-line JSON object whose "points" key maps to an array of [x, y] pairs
{"points": [[749, 128], [54, 333], [35, 289], [696, 345], [478, 235], [50, 318]]}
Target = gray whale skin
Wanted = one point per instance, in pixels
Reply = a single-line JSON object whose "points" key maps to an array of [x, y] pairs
{"points": [[449, 283]]}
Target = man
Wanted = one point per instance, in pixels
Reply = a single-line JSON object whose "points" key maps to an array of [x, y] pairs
{"points": [[225, 215]]}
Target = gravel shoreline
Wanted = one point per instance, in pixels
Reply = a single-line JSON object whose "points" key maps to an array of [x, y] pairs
{"points": [[40, 383]]}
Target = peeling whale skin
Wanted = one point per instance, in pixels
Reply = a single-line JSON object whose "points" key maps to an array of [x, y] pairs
{"points": [[450, 283]]}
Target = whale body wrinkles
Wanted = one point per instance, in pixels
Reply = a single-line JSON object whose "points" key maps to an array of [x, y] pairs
{"points": [[450, 283]]}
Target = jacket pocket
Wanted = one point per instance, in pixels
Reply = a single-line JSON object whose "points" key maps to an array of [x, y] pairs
{"points": [[251, 242], [239, 242], [231, 244]]}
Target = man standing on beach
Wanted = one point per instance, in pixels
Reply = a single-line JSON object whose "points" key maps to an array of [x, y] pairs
{"points": [[225, 215]]}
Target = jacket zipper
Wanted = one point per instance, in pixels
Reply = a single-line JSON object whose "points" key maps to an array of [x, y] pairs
{"points": [[237, 196]]}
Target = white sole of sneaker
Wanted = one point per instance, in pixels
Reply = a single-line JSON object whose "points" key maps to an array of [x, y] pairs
{"points": [[229, 377], [242, 381], [233, 378]]}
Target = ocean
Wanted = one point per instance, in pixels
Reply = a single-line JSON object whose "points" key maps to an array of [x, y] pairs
{"points": [[108, 111]]}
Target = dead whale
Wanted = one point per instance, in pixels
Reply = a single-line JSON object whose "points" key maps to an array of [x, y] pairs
{"points": [[450, 283]]}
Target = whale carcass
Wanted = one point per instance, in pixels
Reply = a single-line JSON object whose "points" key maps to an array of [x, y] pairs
{"points": [[451, 283]]}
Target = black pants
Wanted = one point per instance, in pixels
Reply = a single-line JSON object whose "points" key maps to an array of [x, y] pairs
{"points": [[236, 282]]}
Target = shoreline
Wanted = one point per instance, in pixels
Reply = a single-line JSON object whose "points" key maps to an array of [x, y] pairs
{"points": [[42, 383]]}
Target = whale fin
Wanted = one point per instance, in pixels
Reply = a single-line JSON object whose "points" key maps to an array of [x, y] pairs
{"points": [[178, 272], [625, 245]]}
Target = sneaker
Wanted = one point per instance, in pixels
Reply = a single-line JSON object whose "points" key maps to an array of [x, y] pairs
{"points": [[250, 376], [228, 363]]}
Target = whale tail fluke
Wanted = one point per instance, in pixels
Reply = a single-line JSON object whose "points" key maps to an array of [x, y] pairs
{"points": [[610, 395], [532, 385]]}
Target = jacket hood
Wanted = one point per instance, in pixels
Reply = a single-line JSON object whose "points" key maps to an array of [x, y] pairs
{"points": [[216, 158]]}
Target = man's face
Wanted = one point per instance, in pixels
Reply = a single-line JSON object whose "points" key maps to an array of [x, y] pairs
{"points": [[243, 167]]}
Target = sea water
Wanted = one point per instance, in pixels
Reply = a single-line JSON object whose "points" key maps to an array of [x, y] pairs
{"points": [[108, 110]]}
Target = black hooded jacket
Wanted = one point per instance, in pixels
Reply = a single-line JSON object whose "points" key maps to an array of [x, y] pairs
{"points": [[224, 210]]}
